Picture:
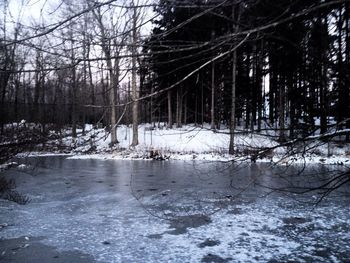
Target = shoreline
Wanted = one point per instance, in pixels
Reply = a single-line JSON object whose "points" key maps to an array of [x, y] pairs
{"points": [[210, 157]]}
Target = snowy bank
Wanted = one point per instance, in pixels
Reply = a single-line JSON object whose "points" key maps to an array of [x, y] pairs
{"points": [[195, 143]]}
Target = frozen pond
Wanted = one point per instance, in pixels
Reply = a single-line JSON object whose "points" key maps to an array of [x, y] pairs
{"points": [[174, 211]]}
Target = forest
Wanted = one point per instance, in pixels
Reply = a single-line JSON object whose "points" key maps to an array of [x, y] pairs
{"points": [[249, 65], [174, 131]]}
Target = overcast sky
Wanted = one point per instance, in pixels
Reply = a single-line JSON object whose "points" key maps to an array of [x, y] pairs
{"points": [[27, 11]]}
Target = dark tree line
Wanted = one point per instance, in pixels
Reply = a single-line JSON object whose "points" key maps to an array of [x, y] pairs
{"points": [[255, 65], [292, 73]]}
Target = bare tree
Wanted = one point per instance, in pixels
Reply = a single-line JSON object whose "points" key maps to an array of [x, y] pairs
{"points": [[135, 113], [236, 8], [212, 110], [104, 39], [7, 58], [170, 113]]}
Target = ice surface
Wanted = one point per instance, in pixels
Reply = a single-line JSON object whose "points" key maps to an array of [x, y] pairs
{"points": [[149, 211]]}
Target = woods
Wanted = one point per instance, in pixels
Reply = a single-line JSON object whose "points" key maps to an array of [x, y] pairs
{"points": [[174, 130], [251, 66], [286, 75]]}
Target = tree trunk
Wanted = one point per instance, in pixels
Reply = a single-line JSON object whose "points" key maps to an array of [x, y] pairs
{"points": [[202, 101], [93, 96], [281, 113], [292, 109], [233, 87], [135, 140], [74, 103], [179, 108], [196, 110], [233, 103], [212, 110], [259, 77], [112, 80], [323, 104], [185, 110], [170, 114]]}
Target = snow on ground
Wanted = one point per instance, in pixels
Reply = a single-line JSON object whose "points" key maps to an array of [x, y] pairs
{"points": [[8, 165], [189, 143], [200, 143]]}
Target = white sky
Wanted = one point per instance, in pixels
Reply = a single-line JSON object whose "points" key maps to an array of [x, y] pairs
{"points": [[25, 11]]}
